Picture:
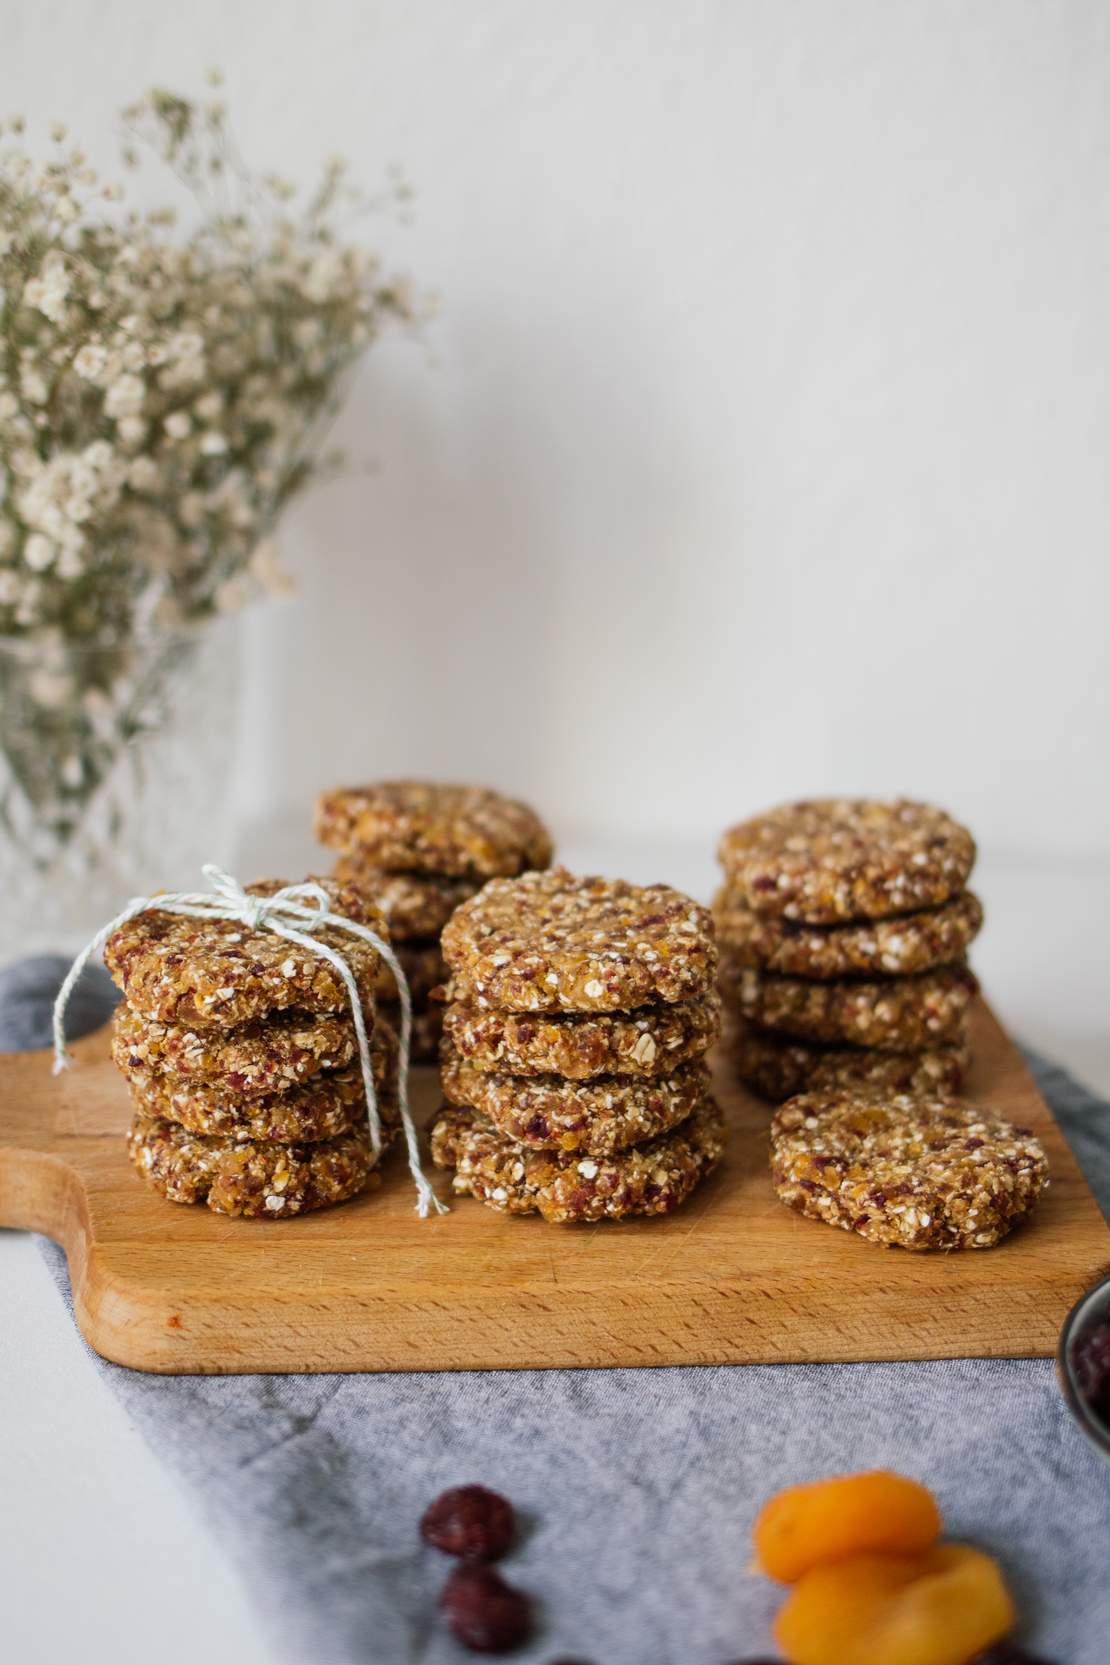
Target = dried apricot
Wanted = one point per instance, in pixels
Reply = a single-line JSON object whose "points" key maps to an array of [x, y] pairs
{"points": [[939, 1608], [805, 1526]]}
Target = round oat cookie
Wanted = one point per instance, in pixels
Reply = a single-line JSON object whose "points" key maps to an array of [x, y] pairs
{"points": [[896, 1014], [918, 1173], [778, 1068], [175, 969], [413, 905], [550, 942], [424, 968], [649, 1042], [646, 1179], [893, 947], [251, 1178], [427, 827], [257, 1058], [830, 859], [595, 1118]]}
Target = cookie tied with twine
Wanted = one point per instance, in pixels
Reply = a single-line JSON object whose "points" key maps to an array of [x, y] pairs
{"points": [[295, 913]]}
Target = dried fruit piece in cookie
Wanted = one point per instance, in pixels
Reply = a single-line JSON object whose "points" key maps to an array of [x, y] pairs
{"points": [[778, 1067], [429, 827], [550, 942], [917, 1173], [647, 1179], [848, 1514], [175, 969], [424, 969], [413, 904], [896, 1014], [257, 1058], [894, 947], [826, 860], [595, 1117], [649, 1042], [249, 1177], [938, 1608]]}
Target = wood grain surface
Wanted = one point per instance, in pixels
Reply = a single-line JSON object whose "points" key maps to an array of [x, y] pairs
{"points": [[733, 1277]]}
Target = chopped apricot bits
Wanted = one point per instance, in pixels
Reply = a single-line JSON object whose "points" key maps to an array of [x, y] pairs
{"points": [[937, 1608], [806, 1526]]}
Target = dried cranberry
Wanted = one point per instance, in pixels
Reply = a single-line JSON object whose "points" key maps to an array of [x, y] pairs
{"points": [[1091, 1359], [483, 1612], [471, 1522]]}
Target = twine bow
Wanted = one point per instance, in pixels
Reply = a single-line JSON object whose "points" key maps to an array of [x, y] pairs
{"points": [[294, 913]]}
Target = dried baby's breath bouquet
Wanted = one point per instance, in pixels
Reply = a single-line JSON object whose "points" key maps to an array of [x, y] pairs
{"points": [[163, 396], [165, 390]]}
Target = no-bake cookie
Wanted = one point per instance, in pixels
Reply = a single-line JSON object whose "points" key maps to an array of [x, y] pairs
{"points": [[828, 860], [177, 969], [596, 1117], [778, 1067], [896, 1014], [549, 942], [895, 946], [249, 1177], [649, 1042], [412, 904], [920, 1174], [254, 1059], [419, 826], [643, 1180]]}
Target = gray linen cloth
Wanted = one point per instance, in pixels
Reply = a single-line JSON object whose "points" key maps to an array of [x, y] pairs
{"points": [[637, 1488]]}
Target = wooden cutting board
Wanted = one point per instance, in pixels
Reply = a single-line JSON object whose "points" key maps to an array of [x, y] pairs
{"points": [[733, 1277]]}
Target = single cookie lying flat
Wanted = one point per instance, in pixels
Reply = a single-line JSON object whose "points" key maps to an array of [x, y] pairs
{"points": [[778, 1068], [647, 1179], [175, 969], [649, 1042], [896, 1014], [258, 1058], [250, 1178], [897, 946], [550, 942], [917, 1173], [595, 1117], [830, 859], [426, 827], [413, 904]]}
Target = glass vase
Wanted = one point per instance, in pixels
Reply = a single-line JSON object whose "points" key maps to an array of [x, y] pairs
{"points": [[115, 765]]}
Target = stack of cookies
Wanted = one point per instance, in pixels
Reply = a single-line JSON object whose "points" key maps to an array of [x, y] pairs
{"points": [[417, 850], [844, 926], [242, 1061], [579, 1012]]}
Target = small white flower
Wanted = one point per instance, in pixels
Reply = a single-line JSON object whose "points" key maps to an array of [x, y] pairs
{"points": [[33, 386], [209, 406], [98, 455], [178, 424], [132, 431], [125, 397], [143, 475], [212, 444], [38, 552], [89, 362]]}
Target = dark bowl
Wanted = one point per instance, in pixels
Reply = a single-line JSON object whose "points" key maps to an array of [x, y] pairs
{"points": [[1090, 1310]]}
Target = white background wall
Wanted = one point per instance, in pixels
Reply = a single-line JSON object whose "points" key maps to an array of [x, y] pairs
{"points": [[765, 446]]}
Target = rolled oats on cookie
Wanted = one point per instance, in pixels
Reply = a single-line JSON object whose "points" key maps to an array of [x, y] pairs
{"points": [[912, 1172], [429, 827], [778, 1067], [893, 947], [649, 1179], [176, 969], [895, 1014], [550, 942], [828, 860], [651, 1041], [248, 1177], [595, 1117]]}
